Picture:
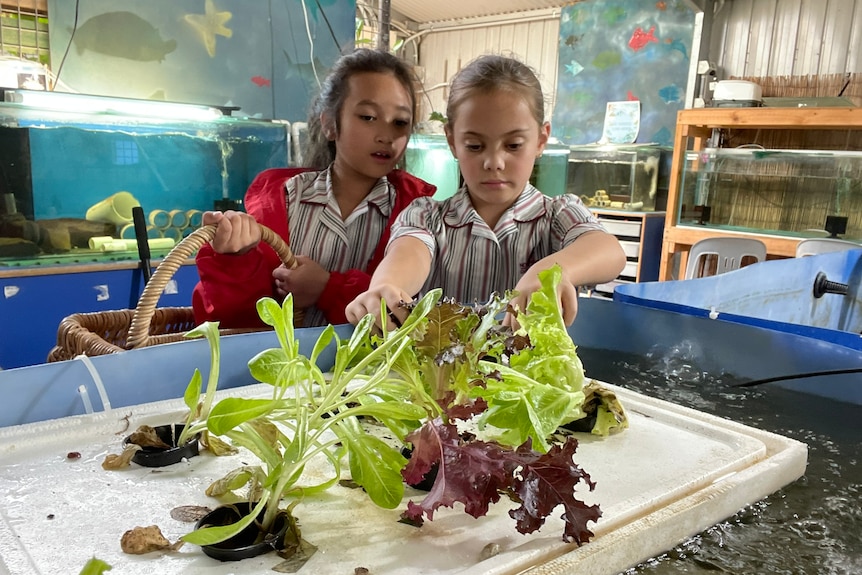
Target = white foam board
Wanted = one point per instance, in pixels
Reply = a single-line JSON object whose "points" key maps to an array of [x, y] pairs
{"points": [[672, 474]]}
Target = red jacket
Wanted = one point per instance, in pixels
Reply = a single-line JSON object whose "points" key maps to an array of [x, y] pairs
{"points": [[230, 285]]}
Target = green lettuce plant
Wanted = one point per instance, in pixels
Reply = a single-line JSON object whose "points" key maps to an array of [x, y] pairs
{"points": [[310, 414], [446, 364]]}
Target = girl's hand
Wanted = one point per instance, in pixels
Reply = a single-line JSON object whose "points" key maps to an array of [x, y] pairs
{"points": [[369, 303], [237, 232], [567, 296], [306, 281]]}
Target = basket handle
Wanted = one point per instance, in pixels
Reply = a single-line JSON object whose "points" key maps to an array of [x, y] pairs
{"points": [[139, 330]]}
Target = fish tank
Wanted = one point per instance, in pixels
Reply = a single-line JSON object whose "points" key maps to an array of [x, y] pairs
{"points": [[428, 157], [620, 177], [796, 193], [72, 166], [550, 171]]}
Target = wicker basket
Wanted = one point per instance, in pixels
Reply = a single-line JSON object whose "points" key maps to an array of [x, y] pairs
{"points": [[102, 333]]}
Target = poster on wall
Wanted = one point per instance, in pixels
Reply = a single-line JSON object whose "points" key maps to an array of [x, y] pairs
{"points": [[264, 57], [622, 50]]}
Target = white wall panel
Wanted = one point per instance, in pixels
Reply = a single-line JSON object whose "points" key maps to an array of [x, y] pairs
{"points": [[836, 37], [785, 30], [787, 37], [732, 53], [854, 53], [532, 38], [812, 19], [760, 38]]}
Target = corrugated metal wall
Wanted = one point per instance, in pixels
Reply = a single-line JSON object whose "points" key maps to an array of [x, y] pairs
{"points": [[750, 38], [531, 36], [787, 37]]}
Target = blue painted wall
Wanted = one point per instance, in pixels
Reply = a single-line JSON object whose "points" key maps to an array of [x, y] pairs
{"points": [[618, 50]]}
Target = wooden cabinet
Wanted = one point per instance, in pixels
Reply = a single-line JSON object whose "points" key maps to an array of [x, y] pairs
{"points": [[696, 126], [640, 234]]}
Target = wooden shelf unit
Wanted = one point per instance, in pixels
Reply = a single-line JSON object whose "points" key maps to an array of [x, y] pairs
{"points": [[695, 126]]}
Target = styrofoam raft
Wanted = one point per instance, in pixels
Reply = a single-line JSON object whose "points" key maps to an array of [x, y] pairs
{"points": [[673, 473]]}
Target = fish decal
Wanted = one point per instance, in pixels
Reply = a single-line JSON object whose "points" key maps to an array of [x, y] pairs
{"points": [[662, 6], [663, 137], [614, 15], [607, 59], [670, 94], [631, 97], [677, 45], [210, 24], [122, 35], [640, 38], [571, 40], [261, 82], [574, 68]]}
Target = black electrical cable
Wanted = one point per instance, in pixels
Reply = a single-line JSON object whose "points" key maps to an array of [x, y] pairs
{"points": [[756, 382], [69, 45], [328, 25]]}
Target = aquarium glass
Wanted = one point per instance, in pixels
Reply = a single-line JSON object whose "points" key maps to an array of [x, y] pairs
{"points": [[616, 177], [780, 192], [56, 166]]}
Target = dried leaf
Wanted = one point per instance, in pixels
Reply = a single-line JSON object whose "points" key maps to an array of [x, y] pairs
{"points": [[235, 479], [218, 447], [141, 540], [295, 558], [189, 513], [113, 461], [146, 436]]}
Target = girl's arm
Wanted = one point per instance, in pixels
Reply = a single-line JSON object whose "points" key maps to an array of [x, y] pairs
{"points": [[594, 257], [399, 277]]}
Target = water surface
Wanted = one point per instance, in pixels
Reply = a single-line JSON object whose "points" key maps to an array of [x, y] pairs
{"points": [[812, 526]]}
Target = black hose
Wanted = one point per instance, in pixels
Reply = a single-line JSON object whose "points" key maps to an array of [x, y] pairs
{"points": [[756, 382]]}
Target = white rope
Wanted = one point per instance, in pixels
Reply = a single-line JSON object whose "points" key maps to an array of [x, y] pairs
{"points": [[103, 395]]}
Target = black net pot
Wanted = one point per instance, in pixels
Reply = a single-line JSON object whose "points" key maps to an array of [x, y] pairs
{"points": [[161, 457], [251, 541]]}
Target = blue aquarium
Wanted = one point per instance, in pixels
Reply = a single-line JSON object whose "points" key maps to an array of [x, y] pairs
{"points": [[428, 156], [72, 170], [175, 161]]}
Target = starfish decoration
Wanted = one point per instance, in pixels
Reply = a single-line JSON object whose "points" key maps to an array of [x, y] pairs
{"points": [[210, 24]]}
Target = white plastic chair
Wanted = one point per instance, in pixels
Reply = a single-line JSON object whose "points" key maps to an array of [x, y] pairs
{"points": [[814, 246], [726, 253], [298, 136]]}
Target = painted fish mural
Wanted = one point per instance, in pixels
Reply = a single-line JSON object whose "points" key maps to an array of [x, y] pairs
{"points": [[640, 38], [122, 35]]}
